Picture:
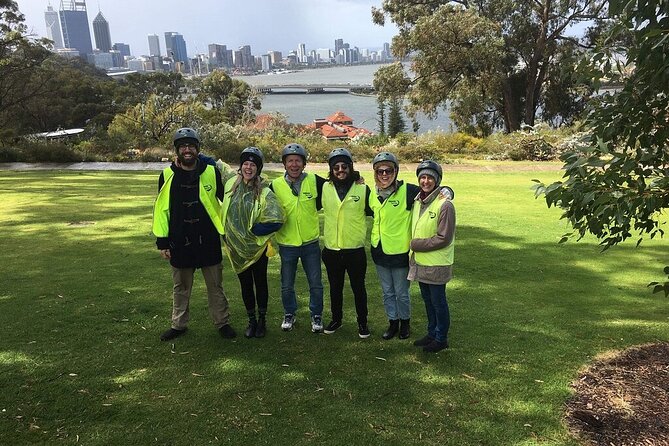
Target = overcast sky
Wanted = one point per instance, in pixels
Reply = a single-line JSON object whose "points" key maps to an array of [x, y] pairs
{"points": [[264, 24]]}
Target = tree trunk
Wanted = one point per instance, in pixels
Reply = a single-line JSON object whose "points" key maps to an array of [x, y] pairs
{"points": [[511, 107]]}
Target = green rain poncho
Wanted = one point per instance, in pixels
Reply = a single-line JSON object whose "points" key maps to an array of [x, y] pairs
{"points": [[242, 246]]}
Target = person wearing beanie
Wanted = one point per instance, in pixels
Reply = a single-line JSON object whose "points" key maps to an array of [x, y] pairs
{"points": [[344, 232], [432, 254], [251, 213], [187, 226]]}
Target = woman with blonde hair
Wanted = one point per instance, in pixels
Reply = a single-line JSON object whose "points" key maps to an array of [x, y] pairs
{"points": [[251, 214]]}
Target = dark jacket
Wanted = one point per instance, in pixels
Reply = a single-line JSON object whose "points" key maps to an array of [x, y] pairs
{"points": [[193, 240]]}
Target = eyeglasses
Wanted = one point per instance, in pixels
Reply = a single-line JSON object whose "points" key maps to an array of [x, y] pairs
{"points": [[340, 166], [388, 171], [188, 145]]}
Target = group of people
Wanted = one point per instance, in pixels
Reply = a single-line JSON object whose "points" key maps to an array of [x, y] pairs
{"points": [[412, 237]]}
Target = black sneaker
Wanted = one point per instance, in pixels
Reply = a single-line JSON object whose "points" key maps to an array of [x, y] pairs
{"points": [[332, 327], [422, 342], [435, 346], [363, 331], [171, 334], [227, 332]]}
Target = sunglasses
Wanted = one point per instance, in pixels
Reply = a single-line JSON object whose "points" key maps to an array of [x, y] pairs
{"points": [[388, 171], [340, 166]]}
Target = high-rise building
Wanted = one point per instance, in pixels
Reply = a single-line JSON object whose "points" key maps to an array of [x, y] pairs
{"points": [[275, 57], [122, 48], [154, 45], [53, 27], [266, 62], [101, 32], [302, 53], [74, 24], [175, 46], [218, 55], [247, 60], [339, 44]]}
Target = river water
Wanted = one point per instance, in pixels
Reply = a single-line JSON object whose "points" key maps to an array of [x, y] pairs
{"points": [[304, 108]]}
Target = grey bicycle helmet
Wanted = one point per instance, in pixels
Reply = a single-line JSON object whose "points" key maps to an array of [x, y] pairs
{"points": [[186, 135], [293, 149]]}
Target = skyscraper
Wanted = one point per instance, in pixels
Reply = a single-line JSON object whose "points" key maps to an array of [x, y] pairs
{"points": [[74, 23], [101, 32], [154, 45], [53, 27], [176, 46], [302, 53]]}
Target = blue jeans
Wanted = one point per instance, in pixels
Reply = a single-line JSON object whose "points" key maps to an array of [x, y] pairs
{"points": [[395, 288], [311, 262], [436, 306]]}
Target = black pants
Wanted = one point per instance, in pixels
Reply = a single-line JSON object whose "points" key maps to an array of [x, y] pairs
{"points": [[256, 273], [353, 262]]}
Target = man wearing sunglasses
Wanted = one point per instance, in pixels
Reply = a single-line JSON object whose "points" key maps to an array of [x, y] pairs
{"points": [[187, 224]]}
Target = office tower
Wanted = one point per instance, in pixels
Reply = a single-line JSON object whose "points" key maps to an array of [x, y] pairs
{"points": [[218, 55], [266, 62], [74, 24], [247, 60], [339, 44], [175, 45], [275, 57], [302, 53], [154, 45], [386, 54], [53, 27], [122, 48], [101, 32]]}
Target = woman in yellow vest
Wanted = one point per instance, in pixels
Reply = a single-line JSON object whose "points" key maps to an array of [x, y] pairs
{"points": [[344, 232], [250, 214], [431, 255]]}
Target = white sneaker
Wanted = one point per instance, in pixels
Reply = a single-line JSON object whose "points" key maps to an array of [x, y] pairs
{"points": [[316, 324], [288, 322]]}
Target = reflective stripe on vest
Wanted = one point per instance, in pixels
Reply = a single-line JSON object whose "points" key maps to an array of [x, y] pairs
{"points": [[392, 222], [301, 223], [207, 196], [345, 223], [425, 226]]}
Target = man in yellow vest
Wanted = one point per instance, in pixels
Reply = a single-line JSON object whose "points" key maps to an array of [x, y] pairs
{"points": [[431, 256], [344, 232], [300, 195], [188, 227]]}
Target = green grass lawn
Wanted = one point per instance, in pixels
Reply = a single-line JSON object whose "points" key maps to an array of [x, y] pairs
{"points": [[84, 296]]}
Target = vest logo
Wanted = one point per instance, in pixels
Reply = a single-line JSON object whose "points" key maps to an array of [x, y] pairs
{"points": [[432, 214], [308, 195], [207, 187], [395, 203], [355, 198]]}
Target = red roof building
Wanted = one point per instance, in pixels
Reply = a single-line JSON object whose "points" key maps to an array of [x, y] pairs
{"points": [[338, 126]]}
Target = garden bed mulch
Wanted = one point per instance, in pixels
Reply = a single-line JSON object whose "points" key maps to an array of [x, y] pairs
{"points": [[624, 399]]}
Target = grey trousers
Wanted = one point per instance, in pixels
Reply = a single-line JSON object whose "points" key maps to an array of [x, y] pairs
{"points": [[183, 284]]}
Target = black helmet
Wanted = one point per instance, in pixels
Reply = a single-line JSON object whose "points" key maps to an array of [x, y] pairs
{"points": [[186, 134], [254, 155], [431, 168], [386, 156], [293, 149], [340, 155]]}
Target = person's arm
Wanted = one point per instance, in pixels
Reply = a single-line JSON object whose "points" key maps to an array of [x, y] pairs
{"points": [[445, 230], [368, 210], [220, 192], [320, 181], [162, 243], [271, 217], [412, 191]]}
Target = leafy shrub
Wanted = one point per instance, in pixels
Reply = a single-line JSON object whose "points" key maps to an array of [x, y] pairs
{"points": [[9, 154]]}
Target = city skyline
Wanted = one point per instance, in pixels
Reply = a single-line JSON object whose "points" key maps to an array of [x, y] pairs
{"points": [[273, 26]]}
